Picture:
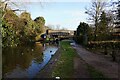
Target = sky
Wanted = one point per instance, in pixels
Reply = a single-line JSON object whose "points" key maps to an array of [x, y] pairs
{"points": [[67, 15]]}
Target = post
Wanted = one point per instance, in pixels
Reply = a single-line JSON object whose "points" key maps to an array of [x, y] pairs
{"points": [[105, 49], [113, 53]]}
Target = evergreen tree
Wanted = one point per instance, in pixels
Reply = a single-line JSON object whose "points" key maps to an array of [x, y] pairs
{"points": [[103, 27], [82, 32], [103, 23]]}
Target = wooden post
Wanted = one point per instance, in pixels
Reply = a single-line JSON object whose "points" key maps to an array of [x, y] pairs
{"points": [[113, 53], [105, 49]]}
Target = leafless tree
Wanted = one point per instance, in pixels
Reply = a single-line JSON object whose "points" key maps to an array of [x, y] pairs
{"points": [[4, 6], [57, 27], [94, 12]]}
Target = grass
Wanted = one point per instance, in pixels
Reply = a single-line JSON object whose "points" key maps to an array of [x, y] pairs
{"points": [[65, 66], [95, 74]]}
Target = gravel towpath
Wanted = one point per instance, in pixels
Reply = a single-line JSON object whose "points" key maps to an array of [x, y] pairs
{"points": [[108, 68]]}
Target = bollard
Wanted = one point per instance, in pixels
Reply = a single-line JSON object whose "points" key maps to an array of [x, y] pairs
{"points": [[105, 50], [113, 53]]}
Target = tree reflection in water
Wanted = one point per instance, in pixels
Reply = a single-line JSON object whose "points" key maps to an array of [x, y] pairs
{"points": [[25, 61]]}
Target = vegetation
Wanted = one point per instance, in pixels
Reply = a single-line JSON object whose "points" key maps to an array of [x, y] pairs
{"points": [[65, 65], [82, 33], [40, 22], [95, 74], [117, 22], [19, 29], [65, 68], [94, 12], [104, 33]]}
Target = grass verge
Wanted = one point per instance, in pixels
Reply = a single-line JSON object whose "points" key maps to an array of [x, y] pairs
{"points": [[95, 74], [65, 66]]}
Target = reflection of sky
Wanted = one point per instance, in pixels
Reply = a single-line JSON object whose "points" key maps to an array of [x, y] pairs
{"points": [[35, 67]]}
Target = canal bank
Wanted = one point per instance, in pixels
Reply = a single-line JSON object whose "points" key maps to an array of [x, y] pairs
{"points": [[64, 64], [70, 65], [48, 69]]}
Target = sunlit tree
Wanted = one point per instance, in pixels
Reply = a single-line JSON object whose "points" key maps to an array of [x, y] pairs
{"points": [[9, 28], [40, 24], [28, 27]]}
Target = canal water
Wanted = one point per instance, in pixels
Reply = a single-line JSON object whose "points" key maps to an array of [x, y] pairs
{"points": [[26, 61]]}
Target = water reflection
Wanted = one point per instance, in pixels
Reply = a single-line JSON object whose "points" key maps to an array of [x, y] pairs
{"points": [[26, 61]]}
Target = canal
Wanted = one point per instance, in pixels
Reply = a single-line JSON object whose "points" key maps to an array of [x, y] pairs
{"points": [[26, 61]]}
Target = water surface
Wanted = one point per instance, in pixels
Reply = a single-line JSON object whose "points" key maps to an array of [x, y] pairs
{"points": [[26, 61]]}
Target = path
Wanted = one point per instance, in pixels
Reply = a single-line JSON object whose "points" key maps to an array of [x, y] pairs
{"points": [[80, 68], [108, 68]]}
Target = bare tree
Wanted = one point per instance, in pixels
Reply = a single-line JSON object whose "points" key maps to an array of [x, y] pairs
{"points": [[50, 26], [57, 27], [94, 12], [7, 4]]}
